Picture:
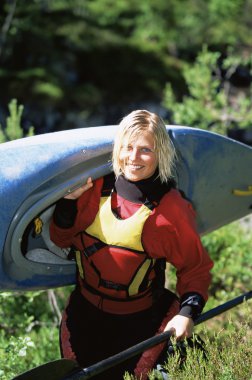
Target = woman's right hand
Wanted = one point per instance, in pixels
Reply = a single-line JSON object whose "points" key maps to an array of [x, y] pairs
{"points": [[78, 192]]}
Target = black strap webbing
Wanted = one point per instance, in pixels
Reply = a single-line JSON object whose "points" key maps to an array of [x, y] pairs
{"points": [[112, 285], [112, 298], [89, 251]]}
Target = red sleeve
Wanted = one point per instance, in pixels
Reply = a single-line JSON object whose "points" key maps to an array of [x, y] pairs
{"points": [[87, 207], [180, 243]]}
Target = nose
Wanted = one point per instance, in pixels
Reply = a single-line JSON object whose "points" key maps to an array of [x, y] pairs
{"points": [[133, 154]]}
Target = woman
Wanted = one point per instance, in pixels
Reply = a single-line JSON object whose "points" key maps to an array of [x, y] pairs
{"points": [[124, 228]]}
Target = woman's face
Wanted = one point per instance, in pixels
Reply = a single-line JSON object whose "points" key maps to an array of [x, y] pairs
{"points": [[138, 159]]}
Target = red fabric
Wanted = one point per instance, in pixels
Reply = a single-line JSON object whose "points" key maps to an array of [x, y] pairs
{"points": [[65, 335], [115, 307], [150, 356], [169, 232]]}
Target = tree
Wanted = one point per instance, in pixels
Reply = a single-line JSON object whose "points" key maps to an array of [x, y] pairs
{"points": [[88, 57], [212, 102]]}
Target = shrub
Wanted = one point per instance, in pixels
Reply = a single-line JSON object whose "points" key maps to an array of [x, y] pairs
{"points": [[13, 128]]}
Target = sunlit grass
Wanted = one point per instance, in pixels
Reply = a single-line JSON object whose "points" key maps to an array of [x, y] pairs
{"points": [[228, 345]]}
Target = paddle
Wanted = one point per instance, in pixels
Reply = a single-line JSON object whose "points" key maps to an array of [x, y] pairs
{"points": [[64, 369]]}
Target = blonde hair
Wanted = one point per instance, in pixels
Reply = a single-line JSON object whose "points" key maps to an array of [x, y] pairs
{"points": [[142, 120]]}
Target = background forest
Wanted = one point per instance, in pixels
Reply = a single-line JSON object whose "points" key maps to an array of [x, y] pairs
{"points": [[70, 64], [88, 62]]}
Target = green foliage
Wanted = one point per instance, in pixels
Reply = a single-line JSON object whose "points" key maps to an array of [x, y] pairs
{"points": [[229, 355], [15, 349], [49, 89], [230, 249], [13, 128], [125, 51], [29, 329], [211, 102]]}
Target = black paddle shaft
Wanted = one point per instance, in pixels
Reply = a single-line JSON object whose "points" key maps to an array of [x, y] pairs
{"points": [[87, 373], [64, 369]]}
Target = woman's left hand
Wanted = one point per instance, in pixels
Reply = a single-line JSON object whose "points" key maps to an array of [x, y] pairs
{"points": [[182, 326]]}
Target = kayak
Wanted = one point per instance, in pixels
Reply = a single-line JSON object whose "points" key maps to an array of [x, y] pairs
{"points": [[212, 170]]}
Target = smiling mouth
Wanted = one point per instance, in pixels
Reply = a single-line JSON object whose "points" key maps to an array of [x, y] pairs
{"points": [[134, 167]]}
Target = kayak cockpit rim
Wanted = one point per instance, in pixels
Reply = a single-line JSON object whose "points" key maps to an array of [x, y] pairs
{"points": [[26, 256]]}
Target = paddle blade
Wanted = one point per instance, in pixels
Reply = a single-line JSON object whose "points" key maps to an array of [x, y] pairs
{"points": [[54, 370]]}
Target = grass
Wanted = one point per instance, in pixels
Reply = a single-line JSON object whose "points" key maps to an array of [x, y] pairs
{"points": [[228, 343]]}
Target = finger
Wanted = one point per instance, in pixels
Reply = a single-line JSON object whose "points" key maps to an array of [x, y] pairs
{"points": [[89, 183], [75, 194], [89, 180]]}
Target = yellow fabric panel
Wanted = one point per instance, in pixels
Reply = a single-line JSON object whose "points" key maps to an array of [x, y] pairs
{"points": [[125, 233], [134, 286], [79, 264]]}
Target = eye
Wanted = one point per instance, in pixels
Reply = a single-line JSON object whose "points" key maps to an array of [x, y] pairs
{"points": [[127, 148], [146, 150]]}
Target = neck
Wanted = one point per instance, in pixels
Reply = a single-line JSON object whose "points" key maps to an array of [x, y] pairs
{"points": [[150, 188]]}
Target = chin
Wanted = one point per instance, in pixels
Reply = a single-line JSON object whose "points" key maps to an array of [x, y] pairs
{"points": [[132, 178]]}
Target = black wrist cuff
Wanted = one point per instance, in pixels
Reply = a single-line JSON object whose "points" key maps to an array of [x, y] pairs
{"points": [[191, 305], [65, 213]]}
